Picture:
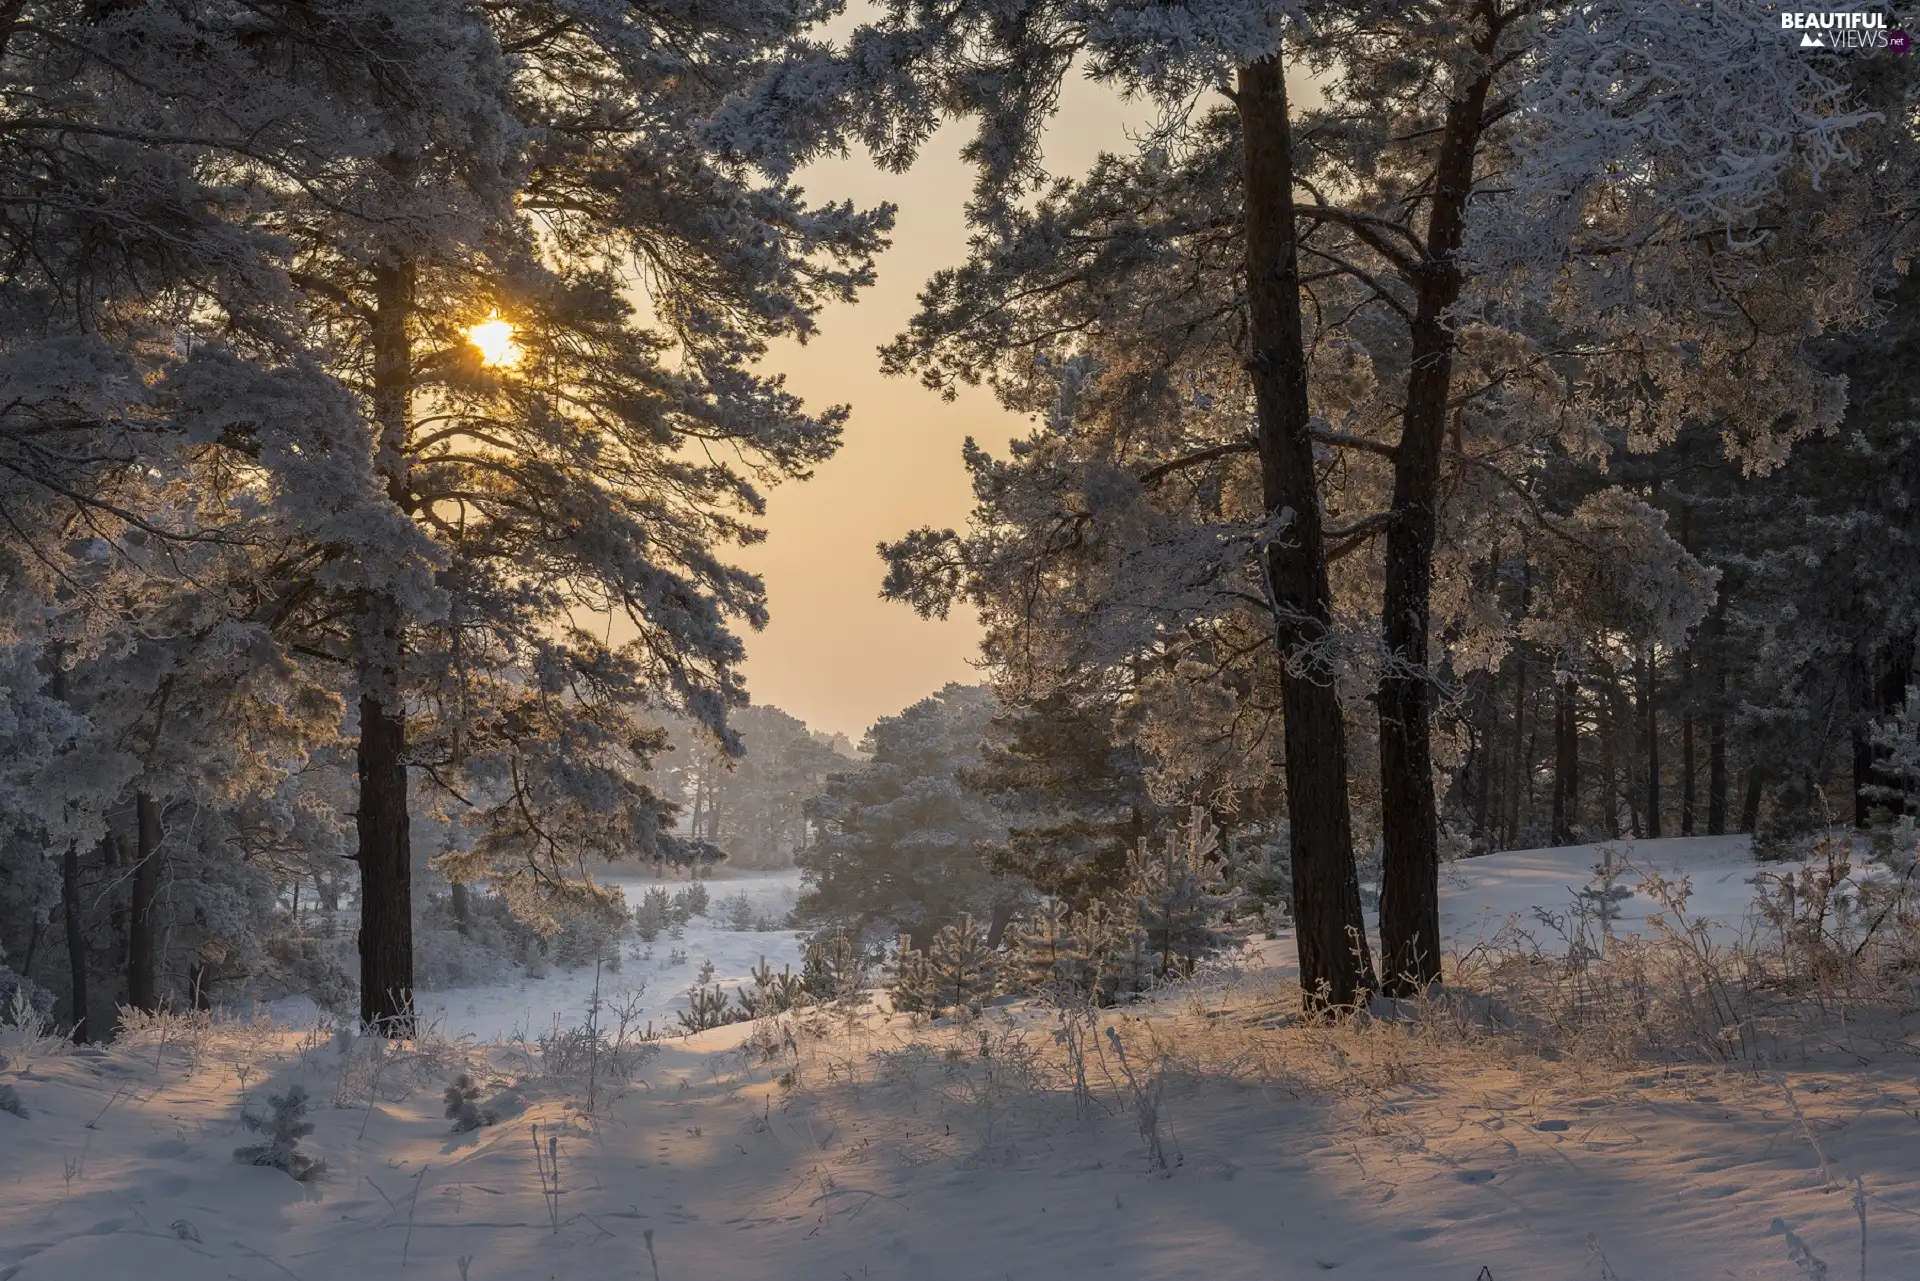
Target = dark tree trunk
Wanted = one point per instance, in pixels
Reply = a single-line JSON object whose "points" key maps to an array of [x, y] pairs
{"points": [[1650, 739], [143, 990], [1716, 774], [386, 879], [1486, 722], [386, 871], [462, 908], [1881, 690], [1688, 776], [76, 940], [1609, 763], [1566, 762], [1336, 965], [1517, 765], [1409, 829], [1750, 808], [998, 921]]}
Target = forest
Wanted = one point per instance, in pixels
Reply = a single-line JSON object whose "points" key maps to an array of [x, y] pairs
{"points": [[1465, 458]]}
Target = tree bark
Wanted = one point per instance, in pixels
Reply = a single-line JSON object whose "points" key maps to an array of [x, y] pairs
{"points": [[1688, 778], [1716, 774], [1650, 739], [1336, 965], [1566, 762], [143, 989], [1517, 764], [76, 940], [1750, 808], [1409, 831], [462, 908], [1609, 764], [386, 872]]}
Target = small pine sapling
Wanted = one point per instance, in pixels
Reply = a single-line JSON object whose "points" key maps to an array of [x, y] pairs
{"points": [[1599, 901], [653, 914], [1049, 959], [911, 989], [706, 1008], [1184, 902], [956, 972], [463, 1105], [771, 993], [283, 1131], [833, 968]]}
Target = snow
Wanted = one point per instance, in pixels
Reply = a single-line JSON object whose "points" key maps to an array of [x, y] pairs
{"points": [[877, 1150], [1481, 897], [532, 1006]]}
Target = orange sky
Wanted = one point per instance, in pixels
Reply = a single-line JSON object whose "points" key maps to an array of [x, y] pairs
{"points": [[836, 655]]}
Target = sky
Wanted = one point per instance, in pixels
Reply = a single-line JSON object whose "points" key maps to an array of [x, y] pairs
{"points": [[836, 655]]}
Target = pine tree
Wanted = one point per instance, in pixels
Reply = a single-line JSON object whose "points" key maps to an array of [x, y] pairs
{"points": [[903, 846], [547, 463], [284, 1129], [956, 972], [1182, 898]]}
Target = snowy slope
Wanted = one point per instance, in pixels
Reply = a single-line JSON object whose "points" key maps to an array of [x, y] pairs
{"points": [[882, 1152], [1480, 897], [656, 974]]}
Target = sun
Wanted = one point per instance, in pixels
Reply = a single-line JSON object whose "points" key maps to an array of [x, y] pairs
{"points": [[494, 338]]}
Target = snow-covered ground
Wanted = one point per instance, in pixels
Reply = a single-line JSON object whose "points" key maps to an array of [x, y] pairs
{"points": [[1482, 897], [870, 1150], [652, 980]]}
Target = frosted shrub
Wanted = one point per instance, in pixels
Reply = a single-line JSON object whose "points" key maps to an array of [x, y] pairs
{"points": [[833, 967], [463, 1106], [26, 1026], [587, 939], [736, 911], [10, 1102], [772, 993], [654, 914], [23, 1001], [957, 972], [708, 1008], [283, 1131]]}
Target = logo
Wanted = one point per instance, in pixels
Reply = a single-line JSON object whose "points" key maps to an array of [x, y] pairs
{"points": [[1848, 30]]}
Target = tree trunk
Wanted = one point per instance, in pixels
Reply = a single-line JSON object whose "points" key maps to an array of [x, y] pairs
{"points": [[1336, 965], [1603, 732], [1650, 739], [1486, 720], [1409, 829], [143, 990], [1566, 762], [1688, 777], [462, 908], [1716, 774], [76, 939], [386, 872], [1750, 808], [1517, 766]]}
